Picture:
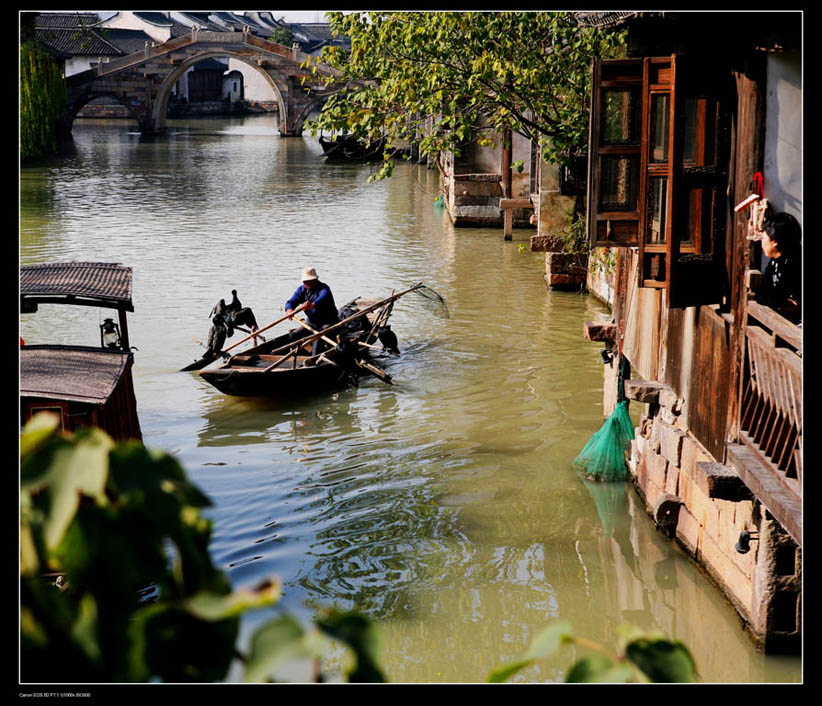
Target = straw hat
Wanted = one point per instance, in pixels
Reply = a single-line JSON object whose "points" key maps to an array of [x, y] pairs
{"points": [[309, 273]]}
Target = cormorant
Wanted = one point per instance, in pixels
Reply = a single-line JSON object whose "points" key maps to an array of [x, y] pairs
{"points": [[388, 339]]}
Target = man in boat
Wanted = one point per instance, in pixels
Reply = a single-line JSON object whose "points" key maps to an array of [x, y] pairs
{"points": [[320, 310]]}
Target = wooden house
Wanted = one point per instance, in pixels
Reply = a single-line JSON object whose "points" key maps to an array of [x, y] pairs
{"points": [[84, 385], [700, 115]]}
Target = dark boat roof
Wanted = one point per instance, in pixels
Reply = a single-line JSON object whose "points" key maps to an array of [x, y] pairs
{"points": [[71, 373], [98, 281]]}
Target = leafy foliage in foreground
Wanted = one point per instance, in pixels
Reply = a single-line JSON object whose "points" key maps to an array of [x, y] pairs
{"points": [[115, 522], [114, 519], [644, 657], [444, 79]]}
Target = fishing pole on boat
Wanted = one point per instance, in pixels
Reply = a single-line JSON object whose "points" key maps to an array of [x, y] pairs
{"points": [[344, 322], [268, 326]]}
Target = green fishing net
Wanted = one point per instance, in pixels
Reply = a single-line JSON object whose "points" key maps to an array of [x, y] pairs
{"points": [[603, 457]]}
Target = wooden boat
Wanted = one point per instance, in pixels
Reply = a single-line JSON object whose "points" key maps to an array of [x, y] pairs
{"points": [[282, 368], [346, 148], [84, 385]]}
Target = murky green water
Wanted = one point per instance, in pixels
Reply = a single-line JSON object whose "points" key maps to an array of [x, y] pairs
{"points": [[445, 507]]}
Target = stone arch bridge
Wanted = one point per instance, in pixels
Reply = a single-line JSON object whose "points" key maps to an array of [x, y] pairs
{"points": [[143, 81]]}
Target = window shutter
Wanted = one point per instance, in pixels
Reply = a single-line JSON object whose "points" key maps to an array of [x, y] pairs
{"points": [[660, 151], [658, 170], [614, 152]]}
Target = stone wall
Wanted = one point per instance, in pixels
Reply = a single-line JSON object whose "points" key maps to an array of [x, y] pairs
{"points": [[473, 199], [704, 506], [601, 274]]}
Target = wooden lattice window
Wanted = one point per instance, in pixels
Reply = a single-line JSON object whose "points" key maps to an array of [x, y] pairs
{"points": [[658, 170]]}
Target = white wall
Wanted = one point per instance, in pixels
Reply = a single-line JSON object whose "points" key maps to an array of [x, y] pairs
{"points": [[78, 64], [257, 88], [127, 20], [783, 133]]}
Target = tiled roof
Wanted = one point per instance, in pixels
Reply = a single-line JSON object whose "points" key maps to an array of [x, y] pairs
{"points": [[201, 18], [229, 19], [178, 29], [73, 373], [321, 30], [265, 19], [156, 18], [66, 19], [127, 40], [96, 280], [77, 41]]}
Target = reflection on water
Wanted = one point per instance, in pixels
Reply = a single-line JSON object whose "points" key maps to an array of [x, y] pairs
{"points": [[446, 506]]}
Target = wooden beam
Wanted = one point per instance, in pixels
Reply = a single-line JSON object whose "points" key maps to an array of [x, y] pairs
{"points": [[766, 485], [781, 327]]}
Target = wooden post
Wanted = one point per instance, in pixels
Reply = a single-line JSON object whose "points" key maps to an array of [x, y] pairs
{"points": [[507, 206], [123, 329], [748, 156], [508, 224], [505, 171]]}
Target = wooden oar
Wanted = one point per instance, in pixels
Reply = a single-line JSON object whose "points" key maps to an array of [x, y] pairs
{"points": [[268, 326], [376, 371]]}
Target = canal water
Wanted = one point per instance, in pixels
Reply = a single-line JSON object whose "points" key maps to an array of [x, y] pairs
{"points": [[445, 507]]}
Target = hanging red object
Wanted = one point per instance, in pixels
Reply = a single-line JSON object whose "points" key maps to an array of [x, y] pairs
{"points": [[758, 183]]}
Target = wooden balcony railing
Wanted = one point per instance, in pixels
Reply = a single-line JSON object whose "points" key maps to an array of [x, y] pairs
{"points": [[771, 419]]}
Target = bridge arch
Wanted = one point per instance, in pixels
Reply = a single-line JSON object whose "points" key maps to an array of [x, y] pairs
{"points": [[278, 84], [315, 103], [81, 101]]}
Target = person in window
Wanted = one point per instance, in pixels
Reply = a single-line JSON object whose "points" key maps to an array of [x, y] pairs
{"points": [[781, 287], [320, 310]]}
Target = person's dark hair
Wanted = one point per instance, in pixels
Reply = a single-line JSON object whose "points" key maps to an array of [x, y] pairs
{"points": [[785, 230]]}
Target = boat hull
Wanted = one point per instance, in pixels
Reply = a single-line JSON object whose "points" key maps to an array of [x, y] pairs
{"points": [[280, 382]]}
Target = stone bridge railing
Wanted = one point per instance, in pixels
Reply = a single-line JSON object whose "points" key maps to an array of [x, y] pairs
{"points": [[200, 37]]}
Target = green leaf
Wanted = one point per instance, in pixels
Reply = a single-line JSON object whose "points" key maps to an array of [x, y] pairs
{"points": [[506, 671], [360, 634], [544, 644], [211, 606], [173, 645], [664, 661], [597, 668], [84, 630], [37, 430], [274, 642], [549, 640], [67, 469]]}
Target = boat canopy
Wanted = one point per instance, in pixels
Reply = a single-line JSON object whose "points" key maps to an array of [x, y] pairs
{"points": [[71, 373], [106, 284]]}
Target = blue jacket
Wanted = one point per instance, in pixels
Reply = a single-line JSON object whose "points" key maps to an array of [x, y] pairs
{"points": [[324, 311]]}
